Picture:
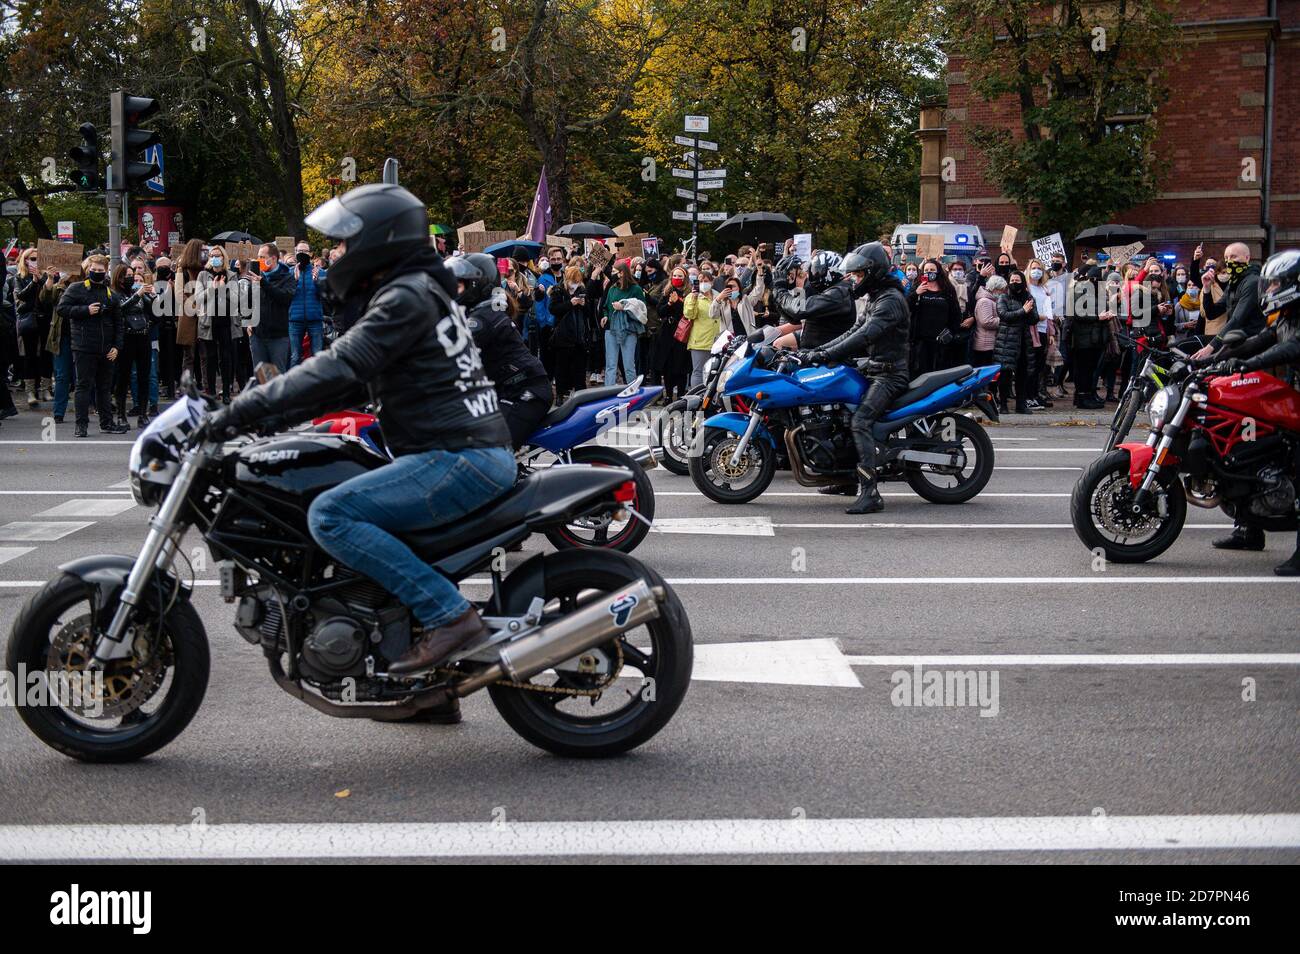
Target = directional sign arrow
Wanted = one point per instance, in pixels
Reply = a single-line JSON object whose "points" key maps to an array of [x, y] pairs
{"points": [[682, 216], [713, 173], [712, 183], [684, 173], [684, 140], [691, 159], [705, 144], [694, 196], [714, 216]]}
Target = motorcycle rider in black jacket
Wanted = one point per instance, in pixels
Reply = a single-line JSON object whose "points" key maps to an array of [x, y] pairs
{"points": [[823, 304], [1278, 345], [411, 354], [880, 333], [522, 384]]}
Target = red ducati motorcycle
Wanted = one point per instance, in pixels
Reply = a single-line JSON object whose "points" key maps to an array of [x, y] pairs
{"points": [[1226, 441]]}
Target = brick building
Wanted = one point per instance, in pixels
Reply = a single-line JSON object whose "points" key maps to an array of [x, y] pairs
{"points": [[1224, 67]]}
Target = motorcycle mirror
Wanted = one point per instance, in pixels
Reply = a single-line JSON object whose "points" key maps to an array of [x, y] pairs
{"points": [[756, 338]]}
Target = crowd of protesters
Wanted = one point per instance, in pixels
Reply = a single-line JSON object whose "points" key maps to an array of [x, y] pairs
{"points": [[117, 341]]}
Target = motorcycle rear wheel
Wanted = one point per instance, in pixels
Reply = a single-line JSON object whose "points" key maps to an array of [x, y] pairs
{"points": [[973, 440], [601, 532], [630, 708]]}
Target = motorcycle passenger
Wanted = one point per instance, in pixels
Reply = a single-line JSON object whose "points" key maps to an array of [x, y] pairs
{"points": [[522, 385], [881, 333], [1277, 345], [411, 354], [821, 302]]}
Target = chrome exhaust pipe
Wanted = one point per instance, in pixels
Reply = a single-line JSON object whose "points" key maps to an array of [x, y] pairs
{"points": [[647, 457], [596, 623]]}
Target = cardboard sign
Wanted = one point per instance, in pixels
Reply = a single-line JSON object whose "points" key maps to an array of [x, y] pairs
{"points": [[65, 256], [624, 229], [1045, 248], [560, 242], [595, 252], [241, 251], [929, 246], [629, 246], [175, 251], [1121, 255], [478, 241], [1008, 238], [285, 244], [479, 226]]}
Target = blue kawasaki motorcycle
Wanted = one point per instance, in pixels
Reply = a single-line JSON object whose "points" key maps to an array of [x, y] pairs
{"points": [[944, 455]]}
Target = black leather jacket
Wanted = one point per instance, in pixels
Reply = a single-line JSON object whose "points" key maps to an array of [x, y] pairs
{"points": [[825, 316], [416, 360], [881, 332], [1278, 344], [506, 358]]}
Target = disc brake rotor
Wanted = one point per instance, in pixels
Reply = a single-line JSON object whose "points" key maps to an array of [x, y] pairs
{"points": [[722, 460], [1111, 506], [127, 683]]}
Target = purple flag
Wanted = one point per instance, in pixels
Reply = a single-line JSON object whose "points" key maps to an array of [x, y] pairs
{"points": [[539, 219]]}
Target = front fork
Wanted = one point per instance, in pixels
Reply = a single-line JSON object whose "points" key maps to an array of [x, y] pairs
{"points": [[754, 420], [1168, 434], [157, 553]]}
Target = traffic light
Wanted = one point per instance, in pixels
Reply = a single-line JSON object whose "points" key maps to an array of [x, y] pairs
{"points": [[87, 156], [129, 140]]}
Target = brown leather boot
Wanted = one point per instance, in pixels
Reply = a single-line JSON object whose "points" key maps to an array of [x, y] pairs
{"points": [[439, 643]]}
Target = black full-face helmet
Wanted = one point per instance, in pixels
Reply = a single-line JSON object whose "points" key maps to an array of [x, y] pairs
{"points": [[478, 273], [824, 270], [873, 261], [380, 224], [1279, 282]]}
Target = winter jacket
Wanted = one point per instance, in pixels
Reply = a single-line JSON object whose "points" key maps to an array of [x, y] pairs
{"points": [[306, 305], [275, 291], [825, 316], [506, 358], [1016, 331], [932, 311], [620, 322], [98, 333], [704, 326], [880, 332], [986, 320], [1240, 303], [570, 322]]}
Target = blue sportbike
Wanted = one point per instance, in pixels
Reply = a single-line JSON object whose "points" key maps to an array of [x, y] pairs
{"points": [[780, 405]]}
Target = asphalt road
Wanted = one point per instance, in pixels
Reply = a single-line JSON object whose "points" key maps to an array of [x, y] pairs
{"points": [[1132, 744]]}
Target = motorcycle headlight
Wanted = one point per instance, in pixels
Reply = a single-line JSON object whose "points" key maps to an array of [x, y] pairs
{"points": [[153, 464], [1158, 409]]}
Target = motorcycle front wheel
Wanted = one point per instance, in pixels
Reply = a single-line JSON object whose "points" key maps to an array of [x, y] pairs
{"points": [[595, 714], [1101, 512], [720, 480], [674, 430], [143, 702]]}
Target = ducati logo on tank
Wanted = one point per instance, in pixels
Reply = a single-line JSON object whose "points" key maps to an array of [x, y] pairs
{"points": [[272, 456]]}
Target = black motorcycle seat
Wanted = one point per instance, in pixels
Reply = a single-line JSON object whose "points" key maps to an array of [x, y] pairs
{"points": [[577, 399], [927, 384], [547, 493]]}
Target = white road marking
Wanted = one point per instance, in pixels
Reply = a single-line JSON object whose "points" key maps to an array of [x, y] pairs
{"points": [[606, 838], [13, 553], [1001, 467], [124, 484], [64, 493], [1049, 450], [39, 531], [725, 526], [68, 442], [813, 493], [1082, 659], [790, 662], [963, 526], [88, 508]]}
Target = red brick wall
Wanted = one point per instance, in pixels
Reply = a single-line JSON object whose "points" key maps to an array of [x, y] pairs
{"points": [[1211, 74]]}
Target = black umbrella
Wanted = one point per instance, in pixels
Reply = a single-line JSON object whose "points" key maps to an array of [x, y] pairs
{"points": [[586, 230], [754, 227], [235, 236], [1104, 236]]}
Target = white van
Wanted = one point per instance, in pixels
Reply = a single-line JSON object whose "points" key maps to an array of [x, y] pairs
{"points": [[962, 240]]}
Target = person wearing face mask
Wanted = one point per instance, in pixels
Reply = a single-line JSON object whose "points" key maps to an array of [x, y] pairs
{"points": [[698, 310], [273, 284], [1088, 336], [935, 318], [1240, 301], [1046, 355], [1188, 320], [881, 333], [59, 344], [670, 357], [621, 329], [1016, 341], [218, 323], [568, 306], [910, 276], [165, 312], [733, 309], [136, 309], [35, 362], [306, 313], [523, 387], [91, 308], [8, 340]]}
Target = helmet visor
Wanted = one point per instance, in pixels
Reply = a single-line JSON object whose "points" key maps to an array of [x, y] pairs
{"points": [[334, 220]]}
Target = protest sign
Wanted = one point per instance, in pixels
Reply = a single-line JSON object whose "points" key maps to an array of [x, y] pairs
{"points": [[1121, 255], [65, 256], [1045, 248], [479, 226], [478, 241], [803, 246], [285, 244], [650, 248], [929, 246], [1008, 238]]}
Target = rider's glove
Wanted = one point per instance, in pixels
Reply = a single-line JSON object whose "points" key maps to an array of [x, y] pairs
{"points": [[1232, 366], [817, 356], [223, 423]]}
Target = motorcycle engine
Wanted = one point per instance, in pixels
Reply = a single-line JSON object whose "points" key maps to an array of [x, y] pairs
{"points": [[825, 439], [1278, 497]]}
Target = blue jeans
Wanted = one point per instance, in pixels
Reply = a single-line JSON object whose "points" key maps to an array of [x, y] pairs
{"points": [[271, 350], [356, 521], [64, 375], [296, 329], [616, 343]]}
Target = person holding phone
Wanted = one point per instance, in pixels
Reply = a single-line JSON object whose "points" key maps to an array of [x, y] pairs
{"points": [[567, 301], [92, 309]]}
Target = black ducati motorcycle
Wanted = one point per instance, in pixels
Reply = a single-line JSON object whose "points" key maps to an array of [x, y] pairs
{"points": [[589, 653]]}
